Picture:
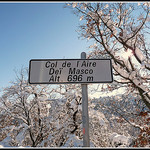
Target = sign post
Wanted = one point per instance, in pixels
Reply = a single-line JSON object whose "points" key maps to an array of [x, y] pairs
{"points": [[85, 115], [72, 71]]}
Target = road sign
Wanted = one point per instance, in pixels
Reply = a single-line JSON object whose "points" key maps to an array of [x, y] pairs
{"points": [[65, 71]]}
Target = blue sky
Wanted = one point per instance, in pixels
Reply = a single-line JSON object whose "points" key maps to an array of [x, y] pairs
{"points": [[36, 31]]}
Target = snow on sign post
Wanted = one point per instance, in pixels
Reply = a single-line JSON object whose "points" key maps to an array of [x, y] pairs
{"points": [[72, 71]]}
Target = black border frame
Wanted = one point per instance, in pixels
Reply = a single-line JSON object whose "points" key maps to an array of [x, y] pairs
{"points": [[68, 82]]}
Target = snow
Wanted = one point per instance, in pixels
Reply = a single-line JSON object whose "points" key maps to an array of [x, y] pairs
{"points": [[20, 136], [139, 54], [74, 4], [81, 18], [122, 72], [100, 12], [106, 6], [127, 54], [73, 141], [140, 17], [98, 115], [118, 140], [6, 142], [60, 118], [98, 93], [84, 6]]}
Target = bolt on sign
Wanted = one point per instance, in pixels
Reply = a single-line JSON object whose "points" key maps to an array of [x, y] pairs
{"points": [[70, 71]]}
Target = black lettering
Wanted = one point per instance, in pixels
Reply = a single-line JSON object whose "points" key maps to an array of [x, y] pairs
{"points": [[89, 78], [78, 63], [51, 79], [82, 71], [69, 78], [86, 71], [47, 64], [72, 71], [57, 72], [80, 78], [77, 71], [53, 65], [54, 78], [68, 64], [60, 70], [90, 71], [87, 64], [94, 64], [74, 78], [58, 77], [83, 64], [64, 64], [51, 71]]}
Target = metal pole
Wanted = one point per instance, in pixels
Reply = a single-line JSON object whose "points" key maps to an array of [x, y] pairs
{"points": [[85, 116]]}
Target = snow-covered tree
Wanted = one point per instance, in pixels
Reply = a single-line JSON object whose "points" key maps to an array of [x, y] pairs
{"points": [[126, 118], [121, 31], [66, 117], [42, 116], [39, 115], [46, 116], [25, 112]]}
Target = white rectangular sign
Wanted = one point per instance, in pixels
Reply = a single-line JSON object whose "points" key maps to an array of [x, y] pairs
{"points": [[65, 71]]}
